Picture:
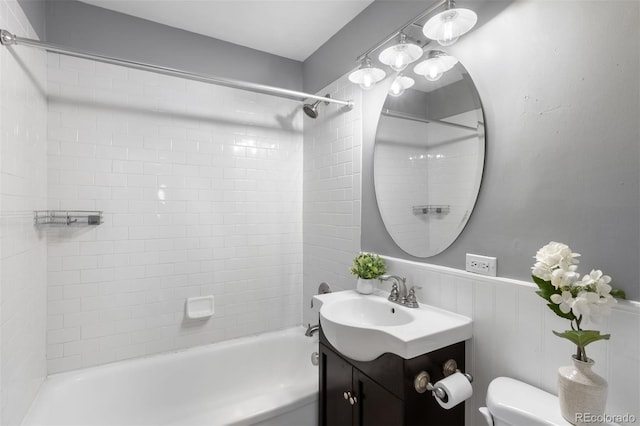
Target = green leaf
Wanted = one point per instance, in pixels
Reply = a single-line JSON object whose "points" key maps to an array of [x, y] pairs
{"points": [[556, 309], [618, 293], [582, 338], [546, 288]]}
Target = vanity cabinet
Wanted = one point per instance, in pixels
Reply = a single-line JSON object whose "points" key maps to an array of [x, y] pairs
{"points": [[382, 392]]}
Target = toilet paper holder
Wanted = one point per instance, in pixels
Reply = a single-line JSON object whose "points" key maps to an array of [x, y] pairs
{"points": [[422, 381]]}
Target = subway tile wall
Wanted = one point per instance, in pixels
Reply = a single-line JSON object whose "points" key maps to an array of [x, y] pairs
{"points": [[512, 334], [332, 182], [23, 185], [201, 188]]}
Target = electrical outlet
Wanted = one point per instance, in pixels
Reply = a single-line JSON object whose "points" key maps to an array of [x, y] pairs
{"points": [[484, 265]]}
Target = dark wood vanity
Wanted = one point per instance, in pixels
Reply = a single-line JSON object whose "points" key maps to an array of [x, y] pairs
{"points": [[382, 392]]}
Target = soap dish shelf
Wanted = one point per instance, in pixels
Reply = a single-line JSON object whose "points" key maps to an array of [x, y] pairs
{"points": [[67, 217]]}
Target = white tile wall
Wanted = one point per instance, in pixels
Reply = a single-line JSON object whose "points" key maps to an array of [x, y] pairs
{"points": [[332, 159], [22, 189], [512, 334], [201, 188]]}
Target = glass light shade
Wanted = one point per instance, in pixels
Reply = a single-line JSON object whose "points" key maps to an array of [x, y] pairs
{"points": [[400, 55], [400, 84], [432, 69], [436, 65], [367, 76], [447, 60], [447, 26]]}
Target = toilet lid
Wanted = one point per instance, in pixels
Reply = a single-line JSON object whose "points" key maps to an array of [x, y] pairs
{"points": [[518, 403]]}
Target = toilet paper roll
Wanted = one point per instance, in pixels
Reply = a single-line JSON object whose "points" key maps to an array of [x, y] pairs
{"points": [[457, 387]]}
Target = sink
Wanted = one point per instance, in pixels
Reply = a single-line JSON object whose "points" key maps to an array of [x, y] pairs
{"points": [[363, 327], [363, 312]]}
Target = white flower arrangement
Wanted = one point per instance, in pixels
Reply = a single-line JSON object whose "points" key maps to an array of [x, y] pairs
{"points": [[587, 299]]}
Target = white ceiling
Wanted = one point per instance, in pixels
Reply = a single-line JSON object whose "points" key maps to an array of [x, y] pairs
{"points": [[290, 28]]}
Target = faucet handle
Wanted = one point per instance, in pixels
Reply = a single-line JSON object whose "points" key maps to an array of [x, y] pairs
{"points": [[411, 301], [394, 295]]}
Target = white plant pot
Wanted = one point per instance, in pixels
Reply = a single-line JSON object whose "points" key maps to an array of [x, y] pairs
{"points": [[364, 286], [581, 391]]}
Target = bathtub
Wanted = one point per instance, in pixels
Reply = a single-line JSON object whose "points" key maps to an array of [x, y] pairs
{"points": [[267, 379]]}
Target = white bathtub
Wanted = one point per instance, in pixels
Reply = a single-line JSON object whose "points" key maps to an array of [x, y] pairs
{"points": [[260, 380]]}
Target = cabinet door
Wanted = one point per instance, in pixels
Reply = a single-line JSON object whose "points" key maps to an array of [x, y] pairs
{"points": [[335, 380], [376, 405]]}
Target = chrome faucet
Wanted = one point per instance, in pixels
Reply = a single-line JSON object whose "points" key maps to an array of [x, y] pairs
{"points": [[311, 329], [399, 292]]}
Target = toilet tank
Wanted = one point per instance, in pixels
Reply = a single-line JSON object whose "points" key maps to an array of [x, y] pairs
{"points": [[512, 402]]}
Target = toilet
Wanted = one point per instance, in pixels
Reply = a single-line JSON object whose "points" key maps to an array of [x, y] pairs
{"points": [[513, 403]]}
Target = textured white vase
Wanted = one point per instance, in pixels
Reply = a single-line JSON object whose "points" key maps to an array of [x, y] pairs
{"points": [[581, 391], [364, 286]]}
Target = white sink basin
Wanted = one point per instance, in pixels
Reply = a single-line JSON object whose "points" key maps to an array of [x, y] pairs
{"points": [[363, 327]]}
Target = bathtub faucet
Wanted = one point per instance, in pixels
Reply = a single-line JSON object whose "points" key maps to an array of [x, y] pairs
{"points": [[311, 329]]}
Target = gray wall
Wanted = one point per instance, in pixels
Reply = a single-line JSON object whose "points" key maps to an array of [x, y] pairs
{"points": [[82, 26], [35, 11], [562, 100]]}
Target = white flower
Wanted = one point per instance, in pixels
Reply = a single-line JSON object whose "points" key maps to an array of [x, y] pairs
{"points": [[598, 280], [584, 304], [557, 255], [564, 277], [542, 271], [603, 289], [565, 300], [594, 277], [602, 308]]}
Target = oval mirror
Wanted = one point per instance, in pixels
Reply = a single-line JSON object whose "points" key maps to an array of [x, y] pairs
{"points": [[428, 161]]}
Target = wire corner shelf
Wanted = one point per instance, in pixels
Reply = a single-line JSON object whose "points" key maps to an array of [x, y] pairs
{"points": [[67, 217], [431, 208]]}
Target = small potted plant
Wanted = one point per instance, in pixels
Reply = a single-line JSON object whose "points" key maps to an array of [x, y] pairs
{"points": [[367, 267]]}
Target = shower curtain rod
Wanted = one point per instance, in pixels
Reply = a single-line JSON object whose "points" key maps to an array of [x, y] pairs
{"points": [[7, 39], [404, 116]]}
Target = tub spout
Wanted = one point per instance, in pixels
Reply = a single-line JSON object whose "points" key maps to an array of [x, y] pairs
{"points": [[311, 329]]}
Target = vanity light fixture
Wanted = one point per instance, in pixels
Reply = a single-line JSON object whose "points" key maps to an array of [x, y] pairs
{"points": [[436, 64], [400, 84], [400, 55], [445, 27], [448, 25], [367, 76]]}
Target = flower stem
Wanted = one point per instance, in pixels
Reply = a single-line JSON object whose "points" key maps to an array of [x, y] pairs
{"points": [[581, 353]]}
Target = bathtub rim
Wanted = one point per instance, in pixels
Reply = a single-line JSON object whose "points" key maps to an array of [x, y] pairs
{"points": [[236, 341]]}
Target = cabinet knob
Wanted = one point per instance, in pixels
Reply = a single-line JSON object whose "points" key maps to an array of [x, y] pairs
{"points": [[421, 381], [353, 400]]}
